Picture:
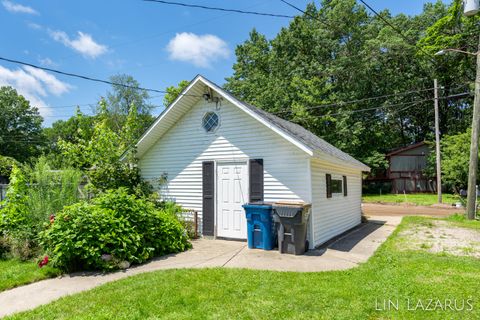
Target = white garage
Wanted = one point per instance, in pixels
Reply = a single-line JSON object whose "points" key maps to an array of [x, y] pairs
{"points": [[218, 153]]}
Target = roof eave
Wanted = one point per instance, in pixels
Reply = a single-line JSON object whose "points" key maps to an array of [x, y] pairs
{"points": [[319, 154], [163, 114], [403, 149], [269, 125]]}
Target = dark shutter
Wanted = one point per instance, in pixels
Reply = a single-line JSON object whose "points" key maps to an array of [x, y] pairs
{"points": [[345, 186], [256, 180], [328, 179], [208, 212]]}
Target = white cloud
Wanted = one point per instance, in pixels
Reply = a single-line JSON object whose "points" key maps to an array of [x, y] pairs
{"points": [[53, 85], [34, 26], [47, 62], [18, 8], [34, 84], [83, 44], [200, 50]]}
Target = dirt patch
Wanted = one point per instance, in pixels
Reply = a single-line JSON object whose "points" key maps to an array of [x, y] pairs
{"points": [[441, 237], [374, 209]]}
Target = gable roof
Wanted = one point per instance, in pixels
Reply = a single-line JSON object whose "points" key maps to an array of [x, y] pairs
{"points": [[294, 133], [403, 149]]}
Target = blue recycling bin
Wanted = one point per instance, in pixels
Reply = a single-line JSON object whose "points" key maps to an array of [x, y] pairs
{"points": [[260, 227]]}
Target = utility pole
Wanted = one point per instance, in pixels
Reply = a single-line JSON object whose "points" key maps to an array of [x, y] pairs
{"points": [[473, 166], [437, 142], [471, 8]]}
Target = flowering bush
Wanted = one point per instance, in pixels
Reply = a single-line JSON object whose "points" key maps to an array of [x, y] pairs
{"points": [[43, 262], [116, 229]]}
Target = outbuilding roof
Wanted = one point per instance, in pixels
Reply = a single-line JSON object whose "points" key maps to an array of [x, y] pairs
{"points": [[306, 139], [403, 149]]}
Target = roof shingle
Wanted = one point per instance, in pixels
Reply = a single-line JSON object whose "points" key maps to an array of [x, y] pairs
{"points": [[300, 133]]}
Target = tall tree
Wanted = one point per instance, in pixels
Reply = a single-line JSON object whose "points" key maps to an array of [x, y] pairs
{"points": [[89, 147], [76, 129], [455, 71], [20, 126], [122, 96], [72, 129], [339, 53], [173, 92]]}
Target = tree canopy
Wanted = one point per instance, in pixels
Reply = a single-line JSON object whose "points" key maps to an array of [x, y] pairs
{"points": [[122, 96], [124, 93], [173, 92], [21, 135], [312, 70]]}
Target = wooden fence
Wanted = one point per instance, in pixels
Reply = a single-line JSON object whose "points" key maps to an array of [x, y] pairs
{"points": [[191, 216]]}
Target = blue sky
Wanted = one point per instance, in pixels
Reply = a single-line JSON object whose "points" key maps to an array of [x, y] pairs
{"points": [[157, 44]]}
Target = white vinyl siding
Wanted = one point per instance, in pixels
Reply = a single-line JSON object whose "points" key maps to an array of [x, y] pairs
{"points": [[180, 151], [332, 216]]}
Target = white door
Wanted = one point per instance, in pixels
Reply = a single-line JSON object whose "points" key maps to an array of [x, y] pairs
{"points": [[232, 182]]}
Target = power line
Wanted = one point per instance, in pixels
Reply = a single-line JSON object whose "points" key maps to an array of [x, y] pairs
{"points": [[407, 104], [93, 104], [463, 94], [344, 103], [337, 104], [190, 5], [74, 105], [141, 39], [75, 75], [459, 95], [341, 103], [396, 29], [305, 13], [162, 91]]}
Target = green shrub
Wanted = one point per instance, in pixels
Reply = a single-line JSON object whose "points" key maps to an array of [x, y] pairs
{"points": [[14, 209], [109, 176], [4, 247], [176, 210], [6, 166], [51, 190], [18, 236], [22, 244], [114, 228], [32, 196], [455, 151]]}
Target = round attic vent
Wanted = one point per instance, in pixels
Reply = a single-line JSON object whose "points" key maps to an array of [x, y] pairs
{"points": [[210, 121]]}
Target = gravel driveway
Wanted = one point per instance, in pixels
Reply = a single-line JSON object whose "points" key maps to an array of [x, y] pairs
{"points": [[377, 209]]}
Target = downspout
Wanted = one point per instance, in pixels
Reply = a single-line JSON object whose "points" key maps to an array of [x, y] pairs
{"points": [[312, 231]]}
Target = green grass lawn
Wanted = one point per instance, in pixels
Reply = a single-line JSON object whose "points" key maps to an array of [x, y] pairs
{"points": [[419, 199], [14, 273], [247, 294]]}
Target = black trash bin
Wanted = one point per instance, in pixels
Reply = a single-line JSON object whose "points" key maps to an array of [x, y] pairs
{"points": [[291, 221]]}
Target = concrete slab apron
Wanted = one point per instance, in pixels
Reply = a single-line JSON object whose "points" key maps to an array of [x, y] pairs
{"points": [[346, 252]]}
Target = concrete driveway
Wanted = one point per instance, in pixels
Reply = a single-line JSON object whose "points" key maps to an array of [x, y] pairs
{"points": [[345, 252]]}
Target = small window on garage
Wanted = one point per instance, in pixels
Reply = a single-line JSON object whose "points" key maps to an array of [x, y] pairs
{"points": [[337, 186], [334, 186], [210, 121]]}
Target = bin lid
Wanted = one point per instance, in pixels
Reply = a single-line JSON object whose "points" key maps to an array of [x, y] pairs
{"points": [[290, 209], [258, 204], [292, 204]]}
